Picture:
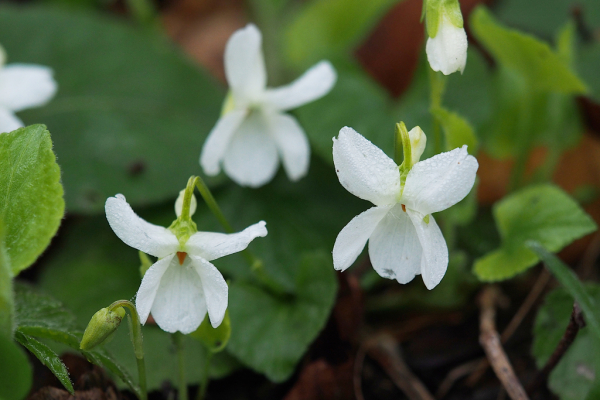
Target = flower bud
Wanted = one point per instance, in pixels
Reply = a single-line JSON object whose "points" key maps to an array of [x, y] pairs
{"points": [[102, 325], [447, 44], [179, 204], [418, 140]]}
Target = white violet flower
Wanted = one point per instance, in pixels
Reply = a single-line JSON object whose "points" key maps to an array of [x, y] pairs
{"points": [[22, 86], [182, 286], [447, 50], [254, 130], [404, 239]]}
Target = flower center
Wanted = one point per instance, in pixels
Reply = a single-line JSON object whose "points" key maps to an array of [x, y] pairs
{"points": [[181, 255], [403, 207]]}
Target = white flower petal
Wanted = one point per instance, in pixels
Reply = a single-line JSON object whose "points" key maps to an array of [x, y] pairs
{"points": [[245, 65], [212, 245], [215, 289], [147, 291], [314, 84], [364, 170], [293, 145], [447, 51], [137, 233], [218, 140], [179, 304], [439, 182], [352, 238], [435, 251], [251, 158], [25, 86], [394, 247], [9, 121]]}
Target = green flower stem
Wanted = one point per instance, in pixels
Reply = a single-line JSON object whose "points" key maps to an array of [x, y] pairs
{"points": [[204, 378], [437, 86], [137, 341], [256, 264], [178, 340]]}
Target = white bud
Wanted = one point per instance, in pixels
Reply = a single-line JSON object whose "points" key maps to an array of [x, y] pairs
{"points": [[179, 204], [447, 51], [418, 140]]}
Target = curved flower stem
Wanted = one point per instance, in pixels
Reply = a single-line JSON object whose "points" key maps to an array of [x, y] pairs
{"points": [[256, 264], [136, 341], [178, 340]]}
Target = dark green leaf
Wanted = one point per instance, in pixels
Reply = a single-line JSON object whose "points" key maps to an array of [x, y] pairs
{"points": [[271, 334], [574, 375], [47, 357], [31, 196], [131, 113], [534, 60], [15, 371], [572, 284], [543, 213], [37, 310]]}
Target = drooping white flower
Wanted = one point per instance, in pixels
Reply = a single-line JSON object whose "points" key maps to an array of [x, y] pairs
{"points": [[404, 239], [182, 286], [254, 130], [22, 86]]}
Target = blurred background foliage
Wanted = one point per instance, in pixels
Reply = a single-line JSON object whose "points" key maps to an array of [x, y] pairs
{"points": [[141, 84]]}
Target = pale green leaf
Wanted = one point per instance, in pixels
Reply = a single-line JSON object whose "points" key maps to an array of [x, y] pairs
{"points": [[535, 60], [457, 130], [31, 195], [7, 307], [543, 213]]}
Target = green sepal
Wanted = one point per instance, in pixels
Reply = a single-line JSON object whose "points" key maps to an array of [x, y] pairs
{"points": [[435, 11], [101, 327], [215, 339], [402, 136], [183, 227]]}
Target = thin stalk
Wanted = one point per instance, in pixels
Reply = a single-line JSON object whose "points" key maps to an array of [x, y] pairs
{"points": [[137, 342], [256, 264], [437, 86], [178, 340], [204, 378]]}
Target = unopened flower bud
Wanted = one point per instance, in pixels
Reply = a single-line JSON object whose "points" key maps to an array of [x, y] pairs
{"points": [[179, 204], [418, 140], [102, 325], [447, 44]]}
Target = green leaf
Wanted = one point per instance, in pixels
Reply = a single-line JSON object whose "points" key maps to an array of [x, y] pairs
{"points": [[572, 284], [458, 131], [215, 339], [325, 28], [131, 112], [543, 213], [15, 371], [48, 358], [543, 68], [573, 377], [7, 307], [37, 310], [31, 196], [271, 334]]}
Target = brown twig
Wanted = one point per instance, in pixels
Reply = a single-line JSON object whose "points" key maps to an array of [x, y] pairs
{"points": [[455, 374], [490, 341], [384, 350], [575, 324], [515, 322]]}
